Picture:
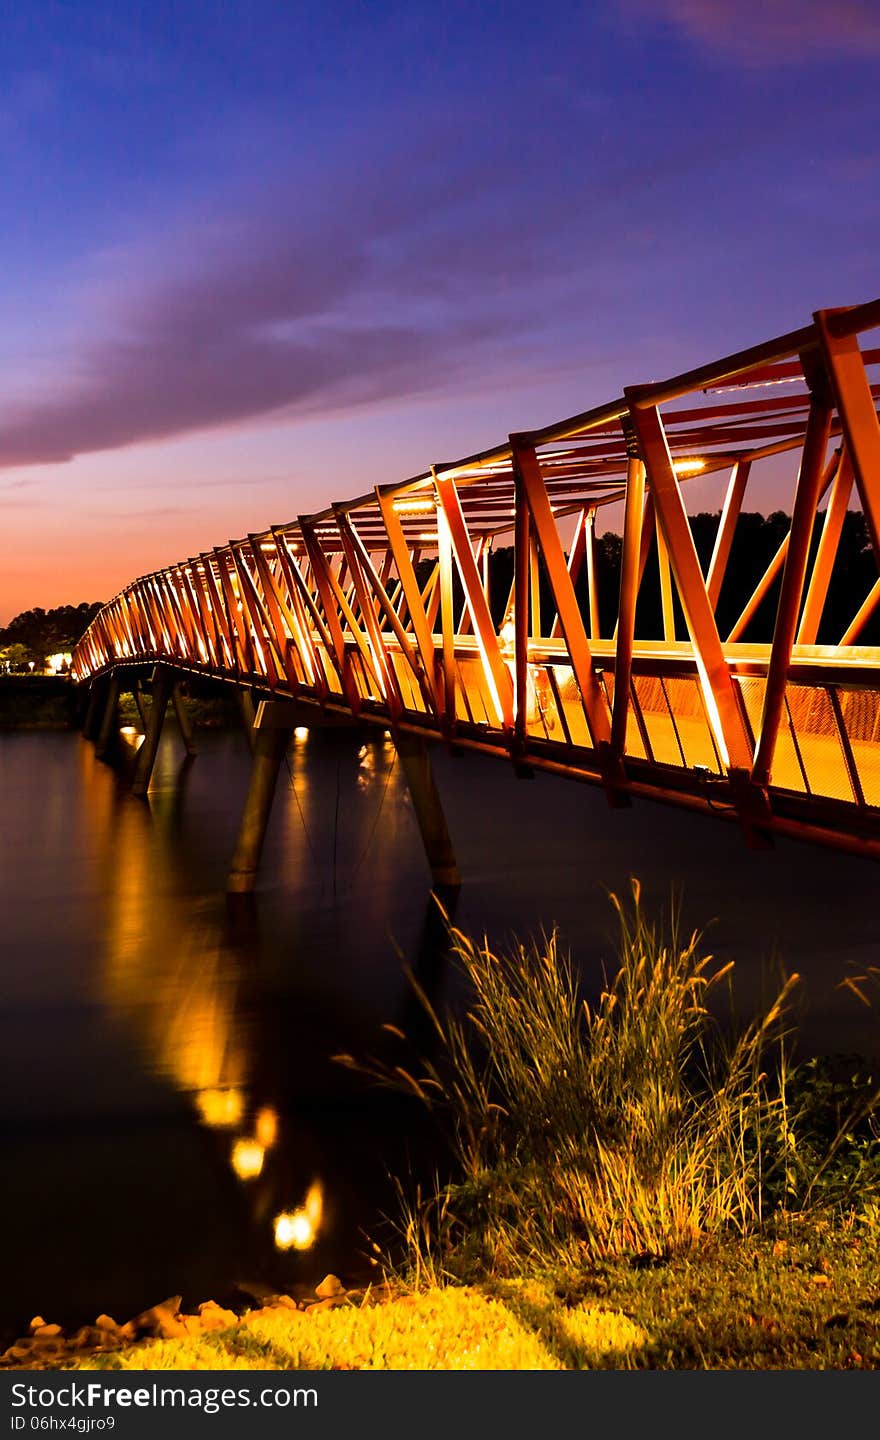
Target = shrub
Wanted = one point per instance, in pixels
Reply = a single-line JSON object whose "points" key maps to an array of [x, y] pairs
{"points": [[635, 1125]]}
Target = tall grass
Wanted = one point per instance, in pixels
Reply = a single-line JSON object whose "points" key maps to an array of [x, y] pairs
{"points": [[635, 1125]]}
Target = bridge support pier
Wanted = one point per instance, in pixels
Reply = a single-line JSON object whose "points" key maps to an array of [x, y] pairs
{"points": [[138, 694], [415, 758], [163, 685], [109, 730], [271, 734], [94, 708], [183, 720], [248, 715]]}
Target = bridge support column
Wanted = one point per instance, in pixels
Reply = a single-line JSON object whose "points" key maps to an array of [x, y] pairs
{"points": [[248, 715], [183, 720], [94, 709], [271, 733], [162, 686], [107, 735], [415, 758], [138, 694]]}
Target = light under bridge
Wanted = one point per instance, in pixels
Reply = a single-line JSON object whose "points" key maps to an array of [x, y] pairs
{"points": [[380, 610]]}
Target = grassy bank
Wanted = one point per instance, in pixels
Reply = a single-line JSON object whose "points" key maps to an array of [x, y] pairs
{"points": [[805, 1296], [633, 1182], [646, 1123]]}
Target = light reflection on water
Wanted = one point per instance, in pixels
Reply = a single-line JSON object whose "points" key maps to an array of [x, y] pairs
{"points": [[168, 1080], [167, 1090]]}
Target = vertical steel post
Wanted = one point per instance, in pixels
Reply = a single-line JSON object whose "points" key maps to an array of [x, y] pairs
{"points": [[629, 588], [666, 605], [523, 576], [589, 534]]}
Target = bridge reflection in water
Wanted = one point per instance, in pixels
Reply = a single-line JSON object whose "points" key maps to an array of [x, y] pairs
{"points": [[379, 609]]}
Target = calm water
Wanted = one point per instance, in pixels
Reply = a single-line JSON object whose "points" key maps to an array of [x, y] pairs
{"points": [[138, 1009]]}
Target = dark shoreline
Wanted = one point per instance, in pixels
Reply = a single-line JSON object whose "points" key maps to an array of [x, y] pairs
{"points": [[52, 702], [38, 702]]}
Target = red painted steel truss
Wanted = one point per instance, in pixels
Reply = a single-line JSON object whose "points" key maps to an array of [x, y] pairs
{"points": [[380, 606]]}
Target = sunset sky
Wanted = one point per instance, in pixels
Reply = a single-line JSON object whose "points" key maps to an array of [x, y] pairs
{"points": [[259, 256]]}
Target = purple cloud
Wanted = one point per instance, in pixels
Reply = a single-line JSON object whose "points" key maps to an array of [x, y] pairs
{"points": [[773, 33], [296, 310]]}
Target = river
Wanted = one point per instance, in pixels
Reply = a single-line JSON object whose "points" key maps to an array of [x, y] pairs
{"points": [[148, 1027]]}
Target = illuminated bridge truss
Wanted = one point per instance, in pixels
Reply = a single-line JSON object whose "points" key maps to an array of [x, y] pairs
{"points": [[379, 607]]}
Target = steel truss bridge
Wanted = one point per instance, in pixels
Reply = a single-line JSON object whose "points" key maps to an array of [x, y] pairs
{"points": [[378, 609]]}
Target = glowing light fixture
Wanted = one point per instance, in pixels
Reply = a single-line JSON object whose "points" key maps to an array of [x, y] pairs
{"points": [[753, 385], [247, 1158], [220, 1108], [266, 1126], [688, 467], [415, 507], [301, 732], [293, 1231], [298, 1229]]}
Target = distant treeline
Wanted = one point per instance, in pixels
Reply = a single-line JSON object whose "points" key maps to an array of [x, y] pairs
{"points": [[756, 540], [35, 634]]}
